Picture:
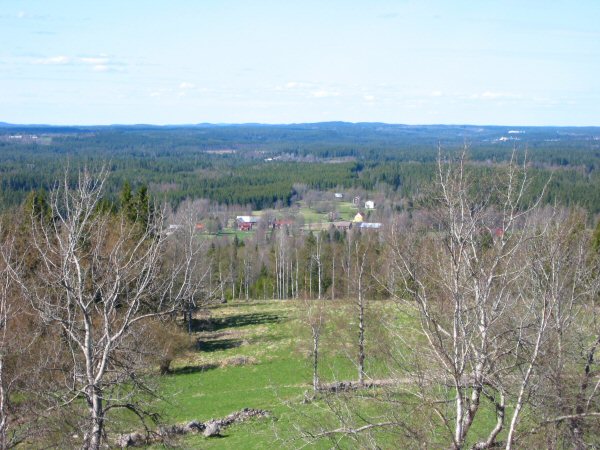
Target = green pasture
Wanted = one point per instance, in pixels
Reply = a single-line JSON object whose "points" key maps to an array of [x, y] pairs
{"points": [[257, 355]]}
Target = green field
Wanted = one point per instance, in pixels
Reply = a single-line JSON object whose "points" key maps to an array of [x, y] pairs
{"points": [[254, 355], [346, 211]]}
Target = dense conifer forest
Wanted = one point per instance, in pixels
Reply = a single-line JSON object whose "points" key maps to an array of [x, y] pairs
{"points": [[258, 165]]}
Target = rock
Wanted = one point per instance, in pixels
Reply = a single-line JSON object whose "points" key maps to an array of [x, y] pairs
{"points": [[209, 429], [212, 429], [194, 427], [131, 440], [171, 430]]}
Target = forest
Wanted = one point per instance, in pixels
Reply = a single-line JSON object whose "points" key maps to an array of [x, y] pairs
{"points": [[257, 165], [136, 311]]}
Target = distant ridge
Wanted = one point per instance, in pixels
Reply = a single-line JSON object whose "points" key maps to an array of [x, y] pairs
{"points": [[331, 125]]}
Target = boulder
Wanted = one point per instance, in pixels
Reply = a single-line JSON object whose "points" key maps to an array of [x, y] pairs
{"points": [[194, 427], [212, 429], [131, 440]]}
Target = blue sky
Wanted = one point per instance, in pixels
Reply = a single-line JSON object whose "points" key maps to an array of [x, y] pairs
{"points": [[189, 61]]}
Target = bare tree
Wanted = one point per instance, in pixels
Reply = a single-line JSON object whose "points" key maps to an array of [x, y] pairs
{"points": [[8, 310], [23, 353], [314, 313], [360, 251], [185, 243], [319, 261], [99, 278], [561, 287], [465, 281]]}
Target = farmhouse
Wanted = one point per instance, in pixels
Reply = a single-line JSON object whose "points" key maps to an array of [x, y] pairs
{"points": [[338, 195], [278, 224], [246, 223], [172, 228], [369, 204], [370, 225]]}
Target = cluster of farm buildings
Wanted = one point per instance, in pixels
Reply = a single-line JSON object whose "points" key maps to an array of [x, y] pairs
{"points": [[250, 222], [247, 223]]}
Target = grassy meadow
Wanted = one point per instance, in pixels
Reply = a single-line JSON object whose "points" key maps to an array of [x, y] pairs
{"points": [[257, 355]]}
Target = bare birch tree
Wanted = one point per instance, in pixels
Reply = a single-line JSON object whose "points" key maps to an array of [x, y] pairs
{"points": [[317, 256], [99, 278], [465, 282], [25, 350], [314, 314], [9, 434], [561, 287], [360, 251]]}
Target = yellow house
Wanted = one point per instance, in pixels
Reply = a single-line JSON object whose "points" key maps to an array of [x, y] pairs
{"points": [[358, 218]]}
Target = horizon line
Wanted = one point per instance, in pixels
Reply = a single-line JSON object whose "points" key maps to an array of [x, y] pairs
{"points": [[217, 124]]}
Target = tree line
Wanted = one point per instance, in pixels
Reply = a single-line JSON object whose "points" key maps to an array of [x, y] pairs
{"points": [[227, 164]]}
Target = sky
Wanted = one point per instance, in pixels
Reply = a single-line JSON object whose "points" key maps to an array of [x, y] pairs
{"points": [[87, 62]]}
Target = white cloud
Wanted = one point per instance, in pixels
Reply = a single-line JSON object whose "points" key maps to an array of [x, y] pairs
{"points": [[53, 60], [369, 98], [310, 89], [491, 95], [186, 85], [436, 94], [100, 63], [97, 63], [95, 60], [24, 15]]}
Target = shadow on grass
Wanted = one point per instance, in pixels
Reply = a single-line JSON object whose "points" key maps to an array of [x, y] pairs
{"points": [[192, 369], [217, 345], [238, 320]]}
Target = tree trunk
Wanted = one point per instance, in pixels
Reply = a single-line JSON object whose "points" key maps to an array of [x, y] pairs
{"points": [[297, 273], [316, 336], [94, 438], [361, 334], [221, 284], [310, 281], [3, 418], [276, 278], [333, 278]]}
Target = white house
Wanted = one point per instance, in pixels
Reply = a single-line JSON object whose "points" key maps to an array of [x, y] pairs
{"points": [[172, 229], [338, 195], [369, 204], [371, 225]]}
